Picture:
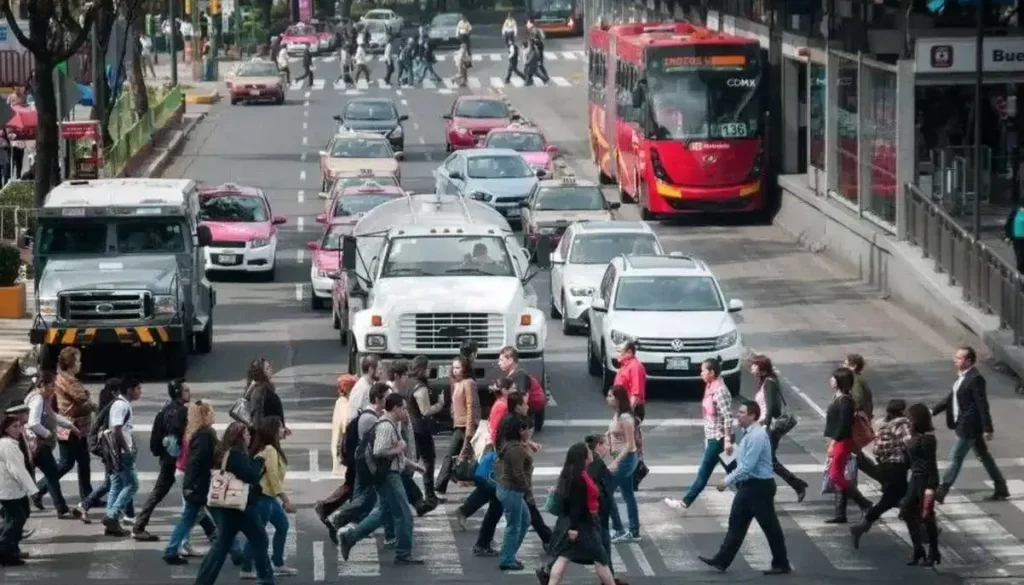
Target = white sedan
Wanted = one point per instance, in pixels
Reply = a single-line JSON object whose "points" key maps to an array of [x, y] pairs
{"points": [[388, 18]]}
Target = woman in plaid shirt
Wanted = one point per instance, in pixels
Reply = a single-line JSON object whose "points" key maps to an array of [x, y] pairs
{"points": [[891, 457]]}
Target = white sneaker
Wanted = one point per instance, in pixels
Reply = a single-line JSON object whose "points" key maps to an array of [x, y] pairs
{"points": [[676, 504], [128, 521], [285, 571], [187, 550], [247, 575]]}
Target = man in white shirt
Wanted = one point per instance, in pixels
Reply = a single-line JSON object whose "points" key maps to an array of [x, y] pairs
{"points": [[146, 52], [16, 485], [124, 480], [389, 60], [359, 398], [42, 438]]}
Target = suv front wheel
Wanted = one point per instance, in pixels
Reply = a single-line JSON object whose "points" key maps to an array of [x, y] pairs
{"points": [[607, 376], [593, 366]]}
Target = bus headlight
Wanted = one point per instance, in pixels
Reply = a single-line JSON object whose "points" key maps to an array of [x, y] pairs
{"points": [[658, 168], [376, 342], [526, 341]]}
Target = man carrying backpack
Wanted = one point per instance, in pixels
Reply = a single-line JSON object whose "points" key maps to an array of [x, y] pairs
{"points": [[364, 498], [117, 442], [165, 444], [536, 397], [385, 460]]}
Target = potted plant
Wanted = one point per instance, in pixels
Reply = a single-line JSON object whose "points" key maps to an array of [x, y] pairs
{"points": [[12, 292]]}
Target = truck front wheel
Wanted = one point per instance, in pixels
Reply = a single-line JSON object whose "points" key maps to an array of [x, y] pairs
{"points": [[176, 356], [353, 357], [204, 341]]}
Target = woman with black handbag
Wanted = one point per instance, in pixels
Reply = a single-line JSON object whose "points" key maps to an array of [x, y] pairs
{"points": [[775, 418]]}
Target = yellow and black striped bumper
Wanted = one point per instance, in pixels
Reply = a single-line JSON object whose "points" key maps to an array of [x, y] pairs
{"points": [[81, 336]]}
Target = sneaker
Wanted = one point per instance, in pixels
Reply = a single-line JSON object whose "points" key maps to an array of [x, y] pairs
{"points": [[187, 550], [285, 571], [143, 536], [676, 504], [390, 542], [247, 575], [83, 514], [409, 561], [128, 521], [616, 535], [461, 520], [346, 545], [176, 560], [479, 551], [37, 501], [69, 514], [623, 537]]}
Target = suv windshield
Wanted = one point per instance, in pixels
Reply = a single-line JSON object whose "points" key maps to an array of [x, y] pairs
{"points": [[370, 111], [601, 248], [447, 256], [362, 203], [498, 167], [481, 109], [668, 293], [570, 199], [241, 208], [445, 20], [348, 182], [258, 69], [360, 148]]}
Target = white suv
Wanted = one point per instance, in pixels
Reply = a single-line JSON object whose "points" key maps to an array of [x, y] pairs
{"points": [[581, 258], [673, 309]]}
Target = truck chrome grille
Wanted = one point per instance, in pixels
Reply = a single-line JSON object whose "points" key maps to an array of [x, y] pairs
{"points": [[669, 345], [447, 331], [105, 305]]}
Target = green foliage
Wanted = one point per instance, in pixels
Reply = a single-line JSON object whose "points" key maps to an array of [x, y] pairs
{"points": [[10, 264], [17, 209]]}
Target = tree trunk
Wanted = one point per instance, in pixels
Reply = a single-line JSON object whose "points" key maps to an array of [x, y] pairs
{"points": [[101, 107], [141, 101], [47, 170]]}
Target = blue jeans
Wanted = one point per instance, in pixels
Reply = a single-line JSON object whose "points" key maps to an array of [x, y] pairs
{"points": [[364, 499], [190, 515], [624, 482], [957, 454], [270, 512], [712, 449], [392, 508], [517, 522], [124, 484]]}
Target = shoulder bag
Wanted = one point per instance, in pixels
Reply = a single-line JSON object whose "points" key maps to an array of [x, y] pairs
{"points": [[785, 422], [863, 432], [241, 410], [226, 490]]}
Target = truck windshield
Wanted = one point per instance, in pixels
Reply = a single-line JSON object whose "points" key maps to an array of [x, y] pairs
{"points": [[447, 256], [150, 236], [706, 93], [72, 237]]}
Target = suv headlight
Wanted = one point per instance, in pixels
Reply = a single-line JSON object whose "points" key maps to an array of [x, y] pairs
{"points": [[619, 337], [164, 305], [397, 132], [259, 243], [480, 196], [526, 341], [727, 340], [580, 291], [376, 342], [48, 306]]}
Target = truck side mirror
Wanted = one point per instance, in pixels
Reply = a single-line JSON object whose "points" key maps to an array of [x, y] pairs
{"points": [[542, 254], [348, 253], [638, 97], [204, 235]]}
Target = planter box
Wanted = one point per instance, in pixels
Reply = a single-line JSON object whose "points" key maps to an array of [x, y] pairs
{"points": [[12, 301]]}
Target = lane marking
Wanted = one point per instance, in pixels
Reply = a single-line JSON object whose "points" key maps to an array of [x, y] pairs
{"points": [[301, 195], [300, 256], [305, 125], [300, 224], [495, 57], [497, 82], [422, 141], [318, 561], [314, 464], [405, 103], [318, 84], [474, 83], [415, 125], [398, 92], [302, 175], [517, 82], [302, 157], [306, 95], [298, 297], [561, 81], [665, 535], [641, 559], [305, 141], [305, 113], [306, 104]]}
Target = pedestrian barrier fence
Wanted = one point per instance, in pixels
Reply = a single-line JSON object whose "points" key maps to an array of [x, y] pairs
{"points": [[988, 282], [141, 133]]}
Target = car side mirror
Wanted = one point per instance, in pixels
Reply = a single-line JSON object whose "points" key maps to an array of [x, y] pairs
{"points": [[348, 253], [322, 195], [735, 305], [312, 246], [551, 149], [403, 117], [323, 153], [204, 235], [399, 155], [543, 252], [338, 118], [614, 205], [279, 219], [597, 305], [455, 176], [446, 117], [524, 203], [322, 218]]}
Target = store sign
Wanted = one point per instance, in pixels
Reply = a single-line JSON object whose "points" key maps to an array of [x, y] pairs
{"points": [[957, 55], [85, 130]]}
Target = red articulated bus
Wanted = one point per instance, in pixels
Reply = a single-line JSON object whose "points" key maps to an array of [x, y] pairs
{"points": [[678, 116], [557, 17]]}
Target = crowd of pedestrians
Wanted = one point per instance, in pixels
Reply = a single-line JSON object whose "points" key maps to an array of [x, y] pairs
{"points": [[236, 484]]}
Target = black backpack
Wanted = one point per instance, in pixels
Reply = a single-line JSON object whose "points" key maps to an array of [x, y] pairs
{"points": [[156, 435], [368, 466], [350, 440], [99, 424]]}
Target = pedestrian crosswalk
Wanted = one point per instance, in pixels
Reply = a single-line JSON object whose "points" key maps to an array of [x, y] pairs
{"points": [[477, 57], [444, 85]]}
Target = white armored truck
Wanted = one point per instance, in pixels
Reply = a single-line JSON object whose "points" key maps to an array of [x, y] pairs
{"points": [[427, 273]]}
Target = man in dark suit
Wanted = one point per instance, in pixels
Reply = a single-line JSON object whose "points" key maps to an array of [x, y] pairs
{"points": [[968, 416]]}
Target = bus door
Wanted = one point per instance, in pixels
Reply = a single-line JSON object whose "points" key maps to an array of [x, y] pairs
{"points": [[611, 95]]}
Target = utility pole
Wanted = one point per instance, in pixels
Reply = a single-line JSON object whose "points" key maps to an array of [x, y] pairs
{"points": [[172, 17]]}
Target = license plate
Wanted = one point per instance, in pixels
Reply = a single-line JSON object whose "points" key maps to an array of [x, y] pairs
{"points": [[677, 363], [254, 92], [227, 259], [444, 371], [514, 212]]}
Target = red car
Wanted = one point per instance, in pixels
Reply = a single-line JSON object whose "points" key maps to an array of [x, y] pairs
{"points": [[472, 117], [256, 81]]}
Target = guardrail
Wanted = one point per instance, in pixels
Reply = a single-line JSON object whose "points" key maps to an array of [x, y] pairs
{"points": [[988, 282], [141, 133]]}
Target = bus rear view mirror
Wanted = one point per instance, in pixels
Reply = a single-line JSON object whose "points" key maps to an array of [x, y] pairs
{"points": [[348, 253], [638, 98]]}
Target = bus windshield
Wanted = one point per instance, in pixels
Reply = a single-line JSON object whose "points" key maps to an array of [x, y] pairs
{"points": [[550, 10], [702, 93]]}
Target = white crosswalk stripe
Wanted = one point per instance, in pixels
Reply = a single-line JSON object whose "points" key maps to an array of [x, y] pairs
{"points": [[474, 83], [550, 56], [561, 81], [517, 82], [570, 56], [446, 84], [318, 84], [497, 82]]}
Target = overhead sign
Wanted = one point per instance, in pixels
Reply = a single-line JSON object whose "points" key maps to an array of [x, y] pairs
{"points": [[957, 55], [9, 42]]}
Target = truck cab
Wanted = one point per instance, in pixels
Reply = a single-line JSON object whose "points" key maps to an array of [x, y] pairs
{"points": [[119, 266], [426, 273]]}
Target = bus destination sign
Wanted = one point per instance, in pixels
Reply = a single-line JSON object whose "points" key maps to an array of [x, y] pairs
{"points": [[703, 62]]}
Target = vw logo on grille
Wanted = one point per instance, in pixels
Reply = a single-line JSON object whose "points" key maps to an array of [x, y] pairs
{"points": [[709, 159], [104, 308], [677, 345]]}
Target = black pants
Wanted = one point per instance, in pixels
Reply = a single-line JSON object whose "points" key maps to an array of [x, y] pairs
{"points": [[840, 499], [910, 508], [493, 515], [13, 515], [428, 453], [306, 74], [464, 40], [1018, 253], [894, 487], [454, 449], [229, 524], [868, 467], [389, 70], [74, 453], [47, 465], [161, 487], [362, 71], [780, 470], [513, 67], [755, 500], [413, 493], [341, 494]]}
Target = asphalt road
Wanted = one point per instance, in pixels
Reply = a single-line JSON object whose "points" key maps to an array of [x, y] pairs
{"points": [[804, 312]]}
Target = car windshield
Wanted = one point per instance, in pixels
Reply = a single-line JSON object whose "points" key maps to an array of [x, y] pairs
{"points": [[150, 237], [77, 237], [481, 109], [348, 182], [601, 248], [375, 26], [375, 15], [447, 256], [570, 199], [552, 9], [360, 148], [517, 141], [348, 205], [370, 111], [445, 20], [498, 167], [668, 293], [299, 30], [332, 239], [243, 208], [257, 69]]}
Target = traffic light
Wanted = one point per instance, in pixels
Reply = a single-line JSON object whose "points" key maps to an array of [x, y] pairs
{"points": [[214, 7]]}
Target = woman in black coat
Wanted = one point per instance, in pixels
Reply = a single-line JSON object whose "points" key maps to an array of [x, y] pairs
{"points": [[577, 535]]}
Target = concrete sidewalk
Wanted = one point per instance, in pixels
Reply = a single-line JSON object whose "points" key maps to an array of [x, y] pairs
{"points": [[14, 345]]}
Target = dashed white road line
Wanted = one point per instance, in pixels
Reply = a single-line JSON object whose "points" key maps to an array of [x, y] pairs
{"points": [[405, 103], [415, 126], [300, 256], [302, 157], [305, 125], [300, 224], [421, 140], [306, 95], [319, 573], [398, 92], [430, 157], [301, 195], [305, 141], [298, 291], [302, 175], [305, 113]]}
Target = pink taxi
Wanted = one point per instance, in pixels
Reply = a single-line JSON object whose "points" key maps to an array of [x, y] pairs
{"points": [[529, 143], [244, 229], [297, 37]]}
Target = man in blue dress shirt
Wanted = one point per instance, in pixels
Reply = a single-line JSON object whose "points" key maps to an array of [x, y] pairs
{"points": [[753, 480]]}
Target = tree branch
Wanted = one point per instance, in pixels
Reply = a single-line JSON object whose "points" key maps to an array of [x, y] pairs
{"points": [[80, 37], [34, 47], [66, 18]]}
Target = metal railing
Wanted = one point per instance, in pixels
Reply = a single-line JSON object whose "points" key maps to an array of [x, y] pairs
{"points": [[987, 281], [141, 133]]}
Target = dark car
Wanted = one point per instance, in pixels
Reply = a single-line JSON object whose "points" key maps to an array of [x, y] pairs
{"points": [[441, 32], [376, 115]]}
